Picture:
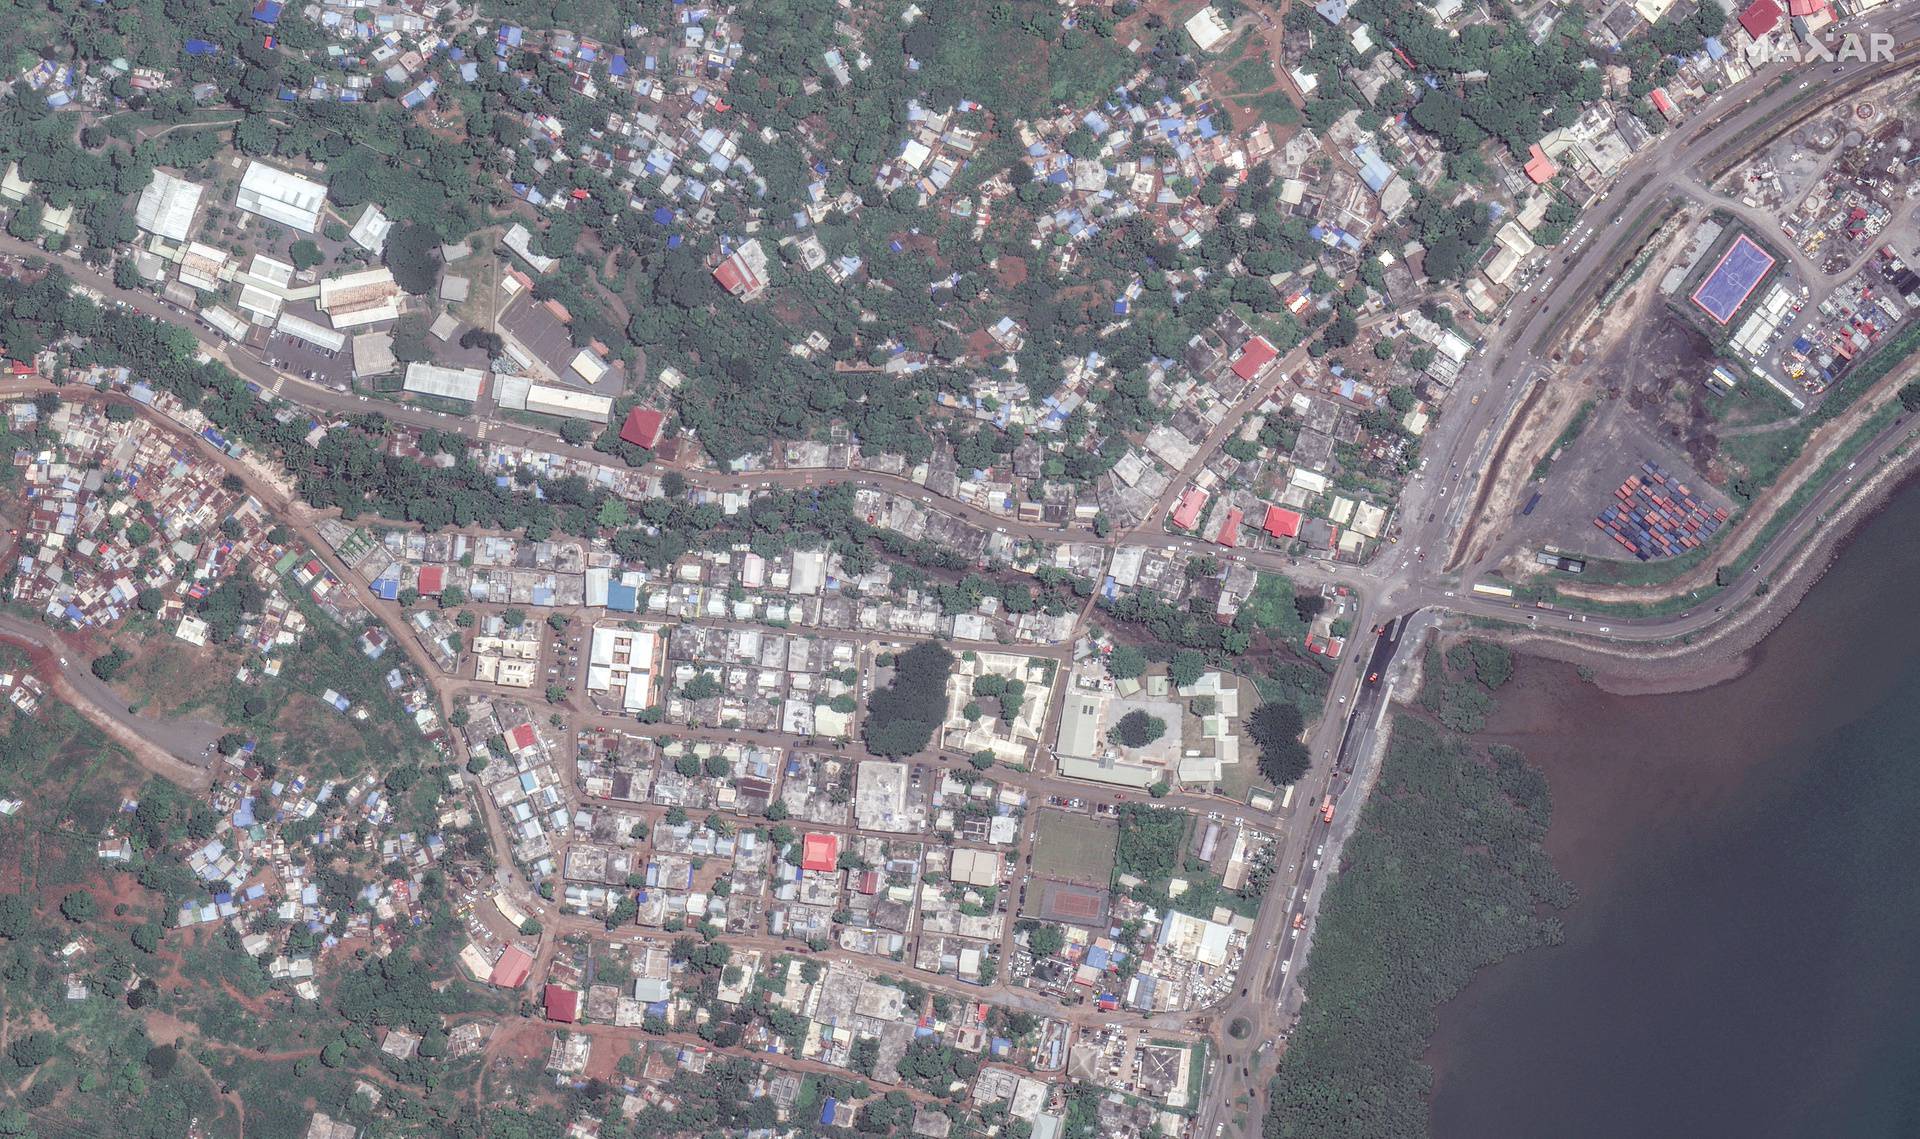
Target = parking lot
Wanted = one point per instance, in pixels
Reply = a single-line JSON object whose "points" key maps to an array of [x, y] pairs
{"points": [[292, 354]]}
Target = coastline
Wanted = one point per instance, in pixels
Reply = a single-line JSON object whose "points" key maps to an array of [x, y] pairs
{"points": [[1787, 790], [1725, 651]]}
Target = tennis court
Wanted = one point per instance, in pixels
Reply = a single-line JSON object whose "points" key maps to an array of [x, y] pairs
{"points": [[1741, 269], [1065, 902]]}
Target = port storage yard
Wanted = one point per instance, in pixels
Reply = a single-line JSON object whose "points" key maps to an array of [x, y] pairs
{"points": [[1658, 516]]}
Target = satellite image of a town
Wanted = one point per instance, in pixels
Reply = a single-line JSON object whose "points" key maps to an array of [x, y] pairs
{"points": [[960, 569]]}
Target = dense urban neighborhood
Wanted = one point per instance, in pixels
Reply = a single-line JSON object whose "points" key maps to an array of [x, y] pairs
{"points": [[804, 568]]}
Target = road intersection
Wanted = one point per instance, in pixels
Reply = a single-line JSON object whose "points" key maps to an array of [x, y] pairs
{"points": [[1407, 591]]}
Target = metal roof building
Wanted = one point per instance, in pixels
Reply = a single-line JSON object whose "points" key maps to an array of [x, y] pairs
{"points": [[516, 393], [373, 354], [588, 365], [200, 267], [520, 242], [1080, 726], [304, 329], [567, 403], [167, 206], [448, 383], [370, 231], [264, 285], [231, 326], [365, 297], [281, 196]]}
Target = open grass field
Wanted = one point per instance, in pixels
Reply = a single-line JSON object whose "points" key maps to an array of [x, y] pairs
{"points": [[1074, 847]]}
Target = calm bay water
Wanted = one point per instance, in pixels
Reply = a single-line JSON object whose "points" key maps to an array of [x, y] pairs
{"points": [[1745, 957]]}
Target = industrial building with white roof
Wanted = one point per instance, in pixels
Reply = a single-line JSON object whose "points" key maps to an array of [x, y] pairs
{"points": [[281, 196], [167, 206]]}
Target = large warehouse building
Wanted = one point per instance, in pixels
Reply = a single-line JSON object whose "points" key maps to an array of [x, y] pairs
{"points": [[365, 297], [281, 196], [545, 399], [448, 383], [516, 393], [167, 206]]}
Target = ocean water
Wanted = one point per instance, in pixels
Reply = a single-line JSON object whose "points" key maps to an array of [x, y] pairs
{"points": [[1745, 957]]}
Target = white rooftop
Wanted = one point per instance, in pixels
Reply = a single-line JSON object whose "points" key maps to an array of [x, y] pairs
{"points": [[449, 383], [167, 206], [370, 230], [281, 196]]}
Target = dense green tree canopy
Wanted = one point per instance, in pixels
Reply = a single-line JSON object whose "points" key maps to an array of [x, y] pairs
{"points": [[903, 714]]}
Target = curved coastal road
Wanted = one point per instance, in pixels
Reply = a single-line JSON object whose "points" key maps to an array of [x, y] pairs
{"points": [[1433, 507], [1459, 448]]}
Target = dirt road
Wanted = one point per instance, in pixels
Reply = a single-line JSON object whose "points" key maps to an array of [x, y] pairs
{"points": [[172, 749]]}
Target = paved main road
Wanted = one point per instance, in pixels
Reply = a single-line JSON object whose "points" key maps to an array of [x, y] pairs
{"points": [[1270, 994], [1458, 449], [1410, 578], [1459, 452]]}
